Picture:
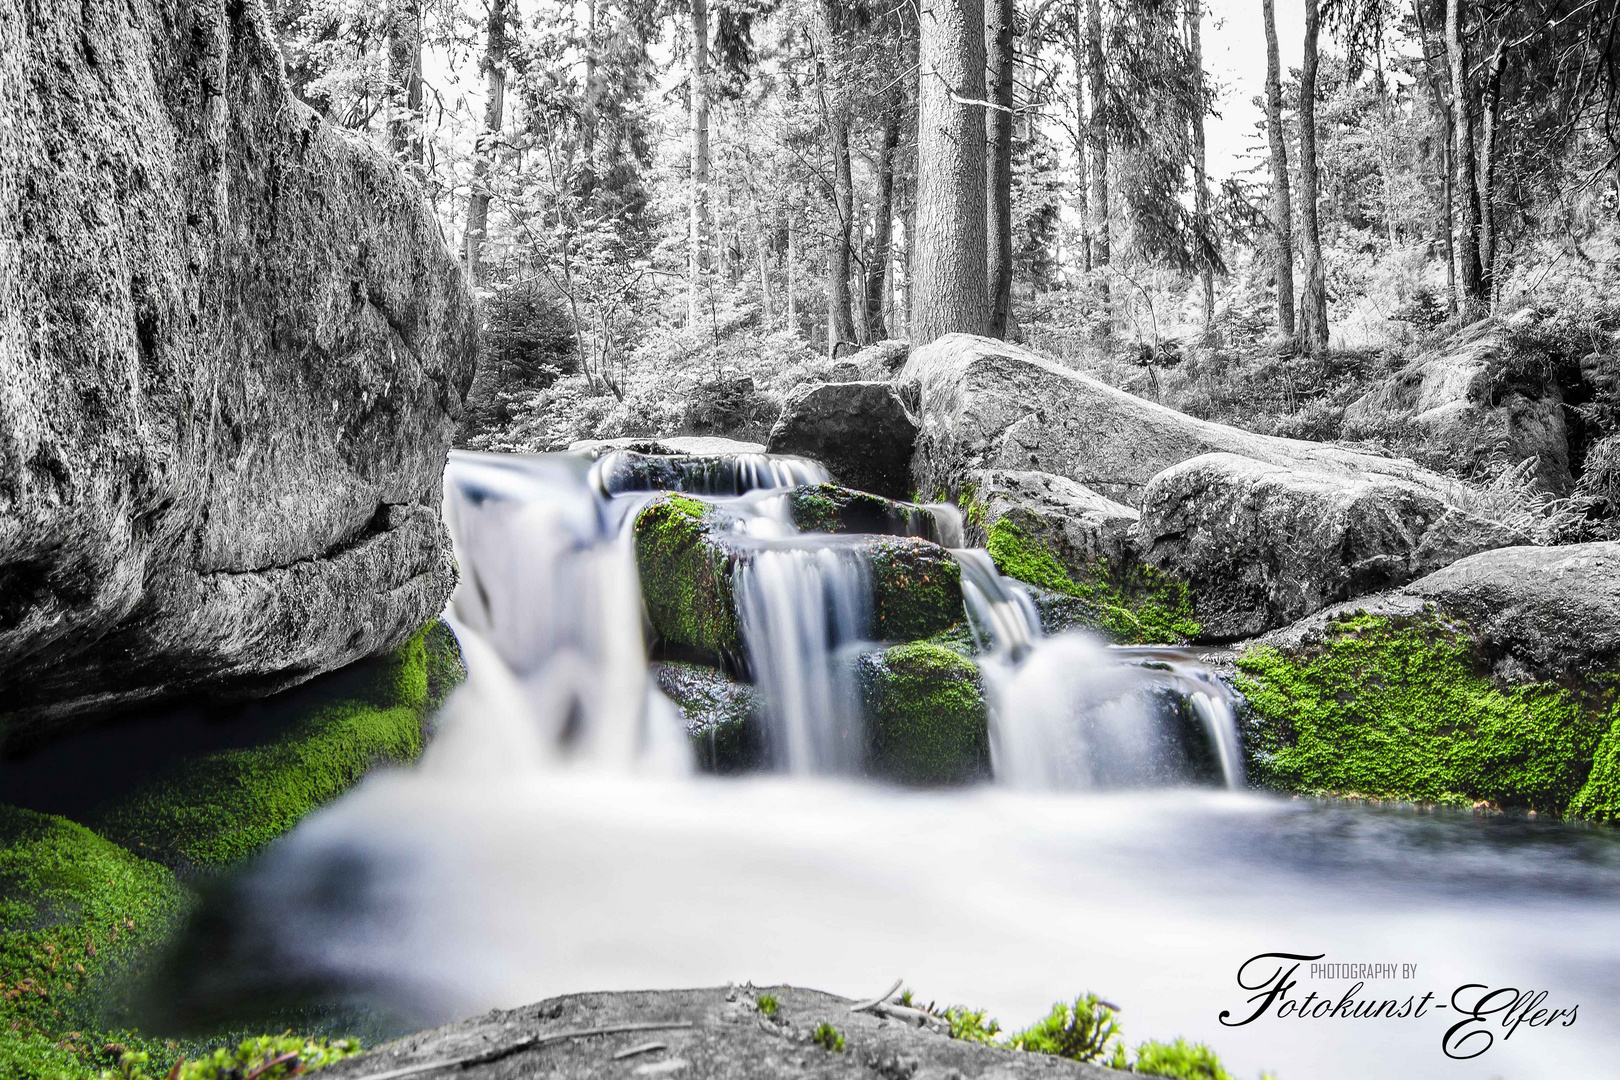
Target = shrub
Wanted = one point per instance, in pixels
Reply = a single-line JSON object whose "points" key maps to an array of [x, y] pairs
{"points": [[1180, 1060], [829, 1037], [1080, 1032]]}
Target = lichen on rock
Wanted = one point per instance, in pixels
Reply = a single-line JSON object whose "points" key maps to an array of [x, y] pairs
{"points": [[926, 715]]}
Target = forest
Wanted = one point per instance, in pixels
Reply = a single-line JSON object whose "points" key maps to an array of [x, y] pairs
{"points": [[675, 212]]}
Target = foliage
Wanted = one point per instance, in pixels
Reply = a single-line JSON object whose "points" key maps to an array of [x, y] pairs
{"points": [[266, 1057], [1134, 605], [767, 1004], [1085, 1030], [972, 1025], [829, 1037], [1408, 709], [1180, 1059]]}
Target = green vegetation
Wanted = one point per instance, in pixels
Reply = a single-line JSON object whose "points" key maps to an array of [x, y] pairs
{"points": [[767, 1004], [684, 579], [916, 589], [213, 811], [830, 508], [1407, 709], [77, 913], [1599, 799], [927, 715], [81, 913], [1181, 1060], [972, 1025], [829, 1037], [1082, 1031], [1135, 605]]}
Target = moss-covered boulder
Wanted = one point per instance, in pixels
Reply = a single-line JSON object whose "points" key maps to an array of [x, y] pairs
{"points": [[724, 717], [926, 715], [1127, 602], [832, 509], [212, 811], [689, 563], [77, 915], [1406, 705]]}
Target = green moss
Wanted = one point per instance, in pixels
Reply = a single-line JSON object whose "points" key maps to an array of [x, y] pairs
{"points": [[916, 590], [1180, 1060], [832, 509], [972, 1025], [926, 715], [1404, 709], [1082, 1031], [767, 1004], [685, 582], [212, 811], [1599, 797], [830, 1038], [77, 914], [1134, 605]]}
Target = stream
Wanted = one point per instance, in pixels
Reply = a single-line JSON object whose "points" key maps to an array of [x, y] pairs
{"points": [[557, 836]]}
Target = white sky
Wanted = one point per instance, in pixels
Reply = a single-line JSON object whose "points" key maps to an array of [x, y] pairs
{"points": [[1235, 57]]}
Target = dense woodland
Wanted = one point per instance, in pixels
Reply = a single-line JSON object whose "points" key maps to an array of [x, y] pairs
{"points": [[674, 210]]}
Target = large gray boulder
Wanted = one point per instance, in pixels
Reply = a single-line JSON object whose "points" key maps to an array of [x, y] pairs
{"points": [[1078, 525], [1464, 402], [232, 345], [987, 404], [1262, 545], [711, 1034], [861, 431]]}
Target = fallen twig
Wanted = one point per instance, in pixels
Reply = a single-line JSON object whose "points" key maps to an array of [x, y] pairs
{"points": [[291, 1055], [521, 1045], [879, 1000], [644, 1048]]}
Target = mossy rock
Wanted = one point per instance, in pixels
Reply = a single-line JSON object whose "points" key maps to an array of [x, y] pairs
{"points": [[1130, 604], [78, 914], [1406, 707], [926, 715], [688, 564], [686, 577], [832, 509], [723, 717], [211, 811]]}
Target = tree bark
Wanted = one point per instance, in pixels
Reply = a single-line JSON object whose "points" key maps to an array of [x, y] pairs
{"points": [[1097, 133], [1465, 193], [792, 276], [494, 65], [1313, 325], [877, 271], [1487, 176], [697, 205], [1206, 272], [949, 290], [998, 123], [835, 114], [1082, 180], [405, 78], [1282, 213]]}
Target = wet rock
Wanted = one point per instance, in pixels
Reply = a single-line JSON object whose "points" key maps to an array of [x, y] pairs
{"points": [[1465, 402], [985, 404], [699, 445], [723, 716], [926, 715], [713, 1034], [861, 431], [654, 467], [235, 344], [833, 509], [1261, 545], [688, 560], [1079, 525]]}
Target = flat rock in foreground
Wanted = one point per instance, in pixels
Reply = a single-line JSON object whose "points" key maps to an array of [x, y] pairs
{"points": [[723, 1035]]}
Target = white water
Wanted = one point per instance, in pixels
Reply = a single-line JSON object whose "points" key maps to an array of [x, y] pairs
{"points": [[550, 842]]}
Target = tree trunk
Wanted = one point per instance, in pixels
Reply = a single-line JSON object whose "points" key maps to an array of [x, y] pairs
{"points": [[1487, 176], [1465, 193], [998, 124], [405, 79], [1082, 180], [949, 290], [835, 113], [1282, 213], [1097, 132], [1206, 271], [792, 276], [697, 205], [494, 108], [877, 271], [1313, 325]]}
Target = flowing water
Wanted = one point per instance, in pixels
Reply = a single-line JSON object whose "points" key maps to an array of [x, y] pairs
{"points": [[556, 838]]}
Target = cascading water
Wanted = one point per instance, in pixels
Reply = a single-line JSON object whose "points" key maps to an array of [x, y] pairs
{"points": [[552, 839]]}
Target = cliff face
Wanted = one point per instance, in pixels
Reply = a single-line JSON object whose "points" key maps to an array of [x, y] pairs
{"points": [[233, 345]]}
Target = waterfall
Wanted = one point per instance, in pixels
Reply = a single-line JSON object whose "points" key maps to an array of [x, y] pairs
{"points": [[731, 474]]}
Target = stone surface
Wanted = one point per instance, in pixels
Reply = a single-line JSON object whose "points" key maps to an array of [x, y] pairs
{"points": [[232, 347], [1262, 545], [877, 362], [1078, 524], [699, 445], [723, 716], [1459, 400], [830, 508], [986, 404], [1536, 612], [861, 431], [714, 1034], [926, 717]]}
